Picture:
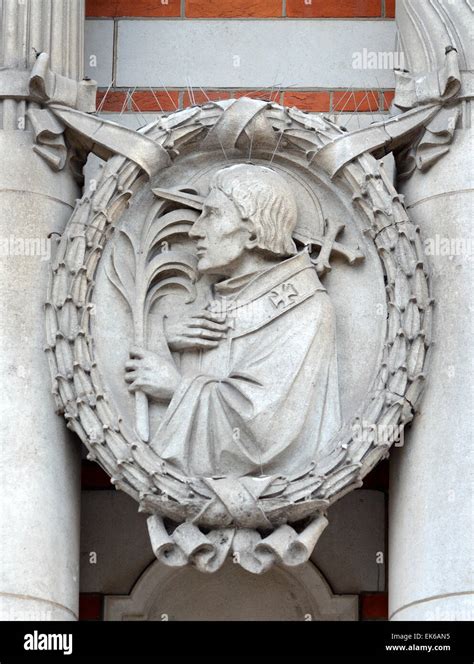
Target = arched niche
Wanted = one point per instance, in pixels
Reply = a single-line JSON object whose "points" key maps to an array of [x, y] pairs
{"points": [[163, 593]]}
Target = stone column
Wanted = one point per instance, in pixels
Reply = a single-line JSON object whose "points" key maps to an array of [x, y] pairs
{"points": [[431, 536], [40, 464]]}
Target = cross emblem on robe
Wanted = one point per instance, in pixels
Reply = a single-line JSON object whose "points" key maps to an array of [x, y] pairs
{"points": [[283, 295]]}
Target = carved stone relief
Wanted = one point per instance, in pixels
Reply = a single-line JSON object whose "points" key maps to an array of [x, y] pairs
{"points": [[204, 328]]}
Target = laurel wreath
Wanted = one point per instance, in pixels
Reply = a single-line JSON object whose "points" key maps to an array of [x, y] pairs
{"points": [[80, 391]]}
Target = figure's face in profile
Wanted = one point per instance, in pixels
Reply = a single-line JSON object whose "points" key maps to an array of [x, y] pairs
{"points": [[221, 235]]}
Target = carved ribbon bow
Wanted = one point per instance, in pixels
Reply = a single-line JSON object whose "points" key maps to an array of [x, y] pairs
{"points": [[440, 86], [58, 102], [43, 87], [46, 87], [430, 121]]}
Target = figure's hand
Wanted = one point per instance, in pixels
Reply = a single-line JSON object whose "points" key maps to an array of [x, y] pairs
{"points": [[153, 374], [201, 331]]}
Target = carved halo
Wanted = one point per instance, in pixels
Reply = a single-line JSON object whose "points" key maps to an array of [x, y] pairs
{"points": [[81, 393]]}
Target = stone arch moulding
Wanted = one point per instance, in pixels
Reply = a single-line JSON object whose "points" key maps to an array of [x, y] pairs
{"points": [[301, 593]]}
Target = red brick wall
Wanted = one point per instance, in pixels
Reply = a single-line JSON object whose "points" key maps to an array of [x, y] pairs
{"points": [[145, 8], [318, 101], [331, 9], [233, 8], [242, 8]]}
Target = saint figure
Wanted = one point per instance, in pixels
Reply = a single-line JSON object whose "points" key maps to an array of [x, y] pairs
{"points": [[261, 397]]}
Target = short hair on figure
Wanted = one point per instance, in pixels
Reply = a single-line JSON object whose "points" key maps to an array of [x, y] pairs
{"points": [[264, 197]]}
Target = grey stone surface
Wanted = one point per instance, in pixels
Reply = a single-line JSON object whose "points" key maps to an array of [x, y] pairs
{"points": [[130, 120], [298, 594], [431, 518], [112, 528], [99, 50], [355, 121], [248, 53], [351, 553], [435, 558], [39, 465]]}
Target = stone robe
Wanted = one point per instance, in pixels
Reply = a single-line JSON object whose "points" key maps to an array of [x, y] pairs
{"points": [[266, 400]]}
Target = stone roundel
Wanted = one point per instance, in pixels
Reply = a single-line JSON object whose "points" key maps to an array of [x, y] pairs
{"points": [[80, 388]]}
